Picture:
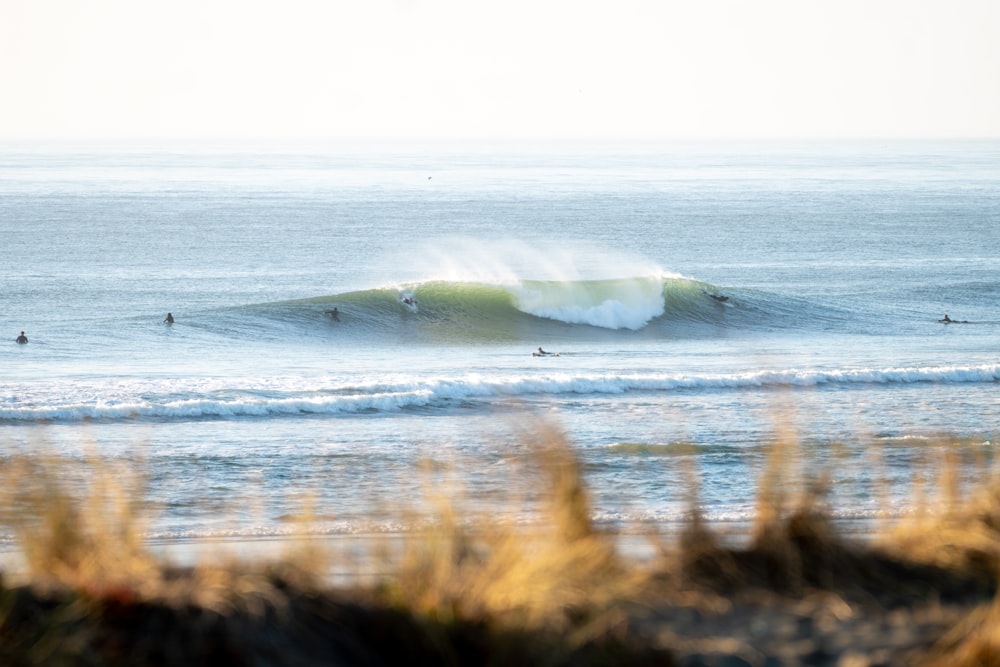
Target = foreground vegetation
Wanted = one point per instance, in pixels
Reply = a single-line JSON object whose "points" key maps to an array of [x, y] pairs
{"points": [[472, 590]]}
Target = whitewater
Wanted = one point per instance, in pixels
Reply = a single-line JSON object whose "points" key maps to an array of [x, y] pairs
{"points": [[702, 299]]}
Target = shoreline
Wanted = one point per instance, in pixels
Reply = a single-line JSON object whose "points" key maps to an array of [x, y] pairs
{"points": [[361, 557]]}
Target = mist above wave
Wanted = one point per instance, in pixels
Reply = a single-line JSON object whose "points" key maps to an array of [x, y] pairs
{"points": [[502, 261], [565, 281]]}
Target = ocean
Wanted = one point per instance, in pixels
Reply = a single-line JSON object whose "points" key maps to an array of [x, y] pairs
{"points": [[702, 302]]}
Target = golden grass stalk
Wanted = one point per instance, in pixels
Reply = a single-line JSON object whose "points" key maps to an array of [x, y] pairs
{"points": [[89, 538], [539, 575], [953, 528], [81, 527], [973, 642]]}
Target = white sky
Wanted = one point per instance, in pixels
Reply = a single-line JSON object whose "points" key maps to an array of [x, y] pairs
{"points": [[535, 69]]}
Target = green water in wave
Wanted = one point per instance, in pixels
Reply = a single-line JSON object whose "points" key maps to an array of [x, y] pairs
{"points": [[527, 311]]}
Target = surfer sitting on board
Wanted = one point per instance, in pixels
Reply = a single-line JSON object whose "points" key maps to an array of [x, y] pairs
{"points": [[169, 319], [22, 339]]}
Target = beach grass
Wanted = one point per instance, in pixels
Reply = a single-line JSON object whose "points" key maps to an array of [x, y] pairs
{"points": [[469, 588]]}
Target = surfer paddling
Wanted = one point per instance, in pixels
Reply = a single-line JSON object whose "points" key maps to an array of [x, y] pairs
{"points": [[542, 353], [721, 298]]}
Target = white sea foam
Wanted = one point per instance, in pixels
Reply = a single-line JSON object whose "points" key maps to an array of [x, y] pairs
{"points": [[618, 304], [298, 396]]}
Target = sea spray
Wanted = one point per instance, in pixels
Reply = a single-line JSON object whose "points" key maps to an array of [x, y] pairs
{"points": [[509, 261], [572, 282]]}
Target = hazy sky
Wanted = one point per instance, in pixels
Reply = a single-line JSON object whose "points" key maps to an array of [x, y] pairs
{"points": [[258, 69]]}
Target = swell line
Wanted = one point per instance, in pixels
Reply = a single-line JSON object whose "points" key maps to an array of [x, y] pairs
{"points": [[294, 397]]}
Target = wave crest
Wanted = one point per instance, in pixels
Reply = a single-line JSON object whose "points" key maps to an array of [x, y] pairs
{"points": [[296, 396]]}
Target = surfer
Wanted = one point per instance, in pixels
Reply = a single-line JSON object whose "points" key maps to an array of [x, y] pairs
{"points": [[334, 314], [721, 298], [169, 319], [948, 320], [408, 301], [22, 339], [542, 353]]}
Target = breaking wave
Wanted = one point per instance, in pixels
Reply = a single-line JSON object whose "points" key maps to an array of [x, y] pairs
{"points": [[295, 396], [655, 305]]}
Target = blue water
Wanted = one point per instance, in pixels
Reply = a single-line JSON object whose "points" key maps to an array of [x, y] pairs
{"points": [[831, 262]]}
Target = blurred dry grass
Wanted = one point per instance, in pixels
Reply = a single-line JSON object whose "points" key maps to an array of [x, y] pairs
{"points": [[525, 574], [473, 590], [79, 524]]}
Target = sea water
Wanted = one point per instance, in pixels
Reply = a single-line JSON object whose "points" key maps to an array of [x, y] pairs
{"points": [[705, 300]]}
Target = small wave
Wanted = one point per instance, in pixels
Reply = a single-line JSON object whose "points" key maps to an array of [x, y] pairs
{"points": [[671, 449], [294, 398], [650, 449]]}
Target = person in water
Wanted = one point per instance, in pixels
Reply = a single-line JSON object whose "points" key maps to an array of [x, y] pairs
{"points": [[169, 319], [334, 314], [946, 319], [22, 339], [541, 352]]}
